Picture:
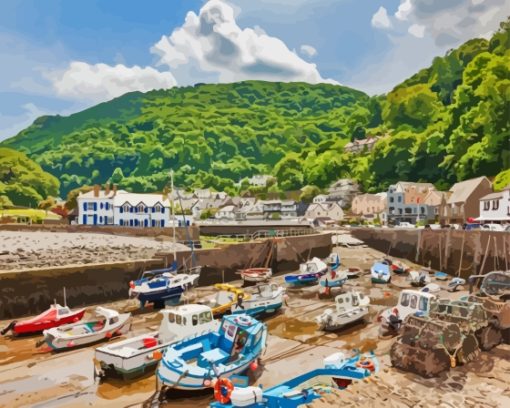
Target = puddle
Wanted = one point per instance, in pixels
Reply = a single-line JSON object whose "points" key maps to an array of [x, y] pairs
{"points": [[293, 329], [113, 388]]}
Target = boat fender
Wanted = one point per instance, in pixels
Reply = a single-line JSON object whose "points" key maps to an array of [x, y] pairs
{"points": [[367, 364], [157, 355], [70, 344], [254, 365], [244, 321], [223, 390]]}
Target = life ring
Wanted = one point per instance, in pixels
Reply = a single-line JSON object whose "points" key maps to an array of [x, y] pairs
{"points": [[223, 390], [244, 321], [367, 364]]}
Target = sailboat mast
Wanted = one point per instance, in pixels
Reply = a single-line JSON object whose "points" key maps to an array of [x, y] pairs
{"points": [[173, 212]]}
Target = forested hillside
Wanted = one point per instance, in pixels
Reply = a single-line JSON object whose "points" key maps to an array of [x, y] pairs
{"points": [[448, 122]]}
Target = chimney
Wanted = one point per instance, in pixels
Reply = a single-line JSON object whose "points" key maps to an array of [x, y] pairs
{"points": [[97, 187], [107, 189], [114, 190]]}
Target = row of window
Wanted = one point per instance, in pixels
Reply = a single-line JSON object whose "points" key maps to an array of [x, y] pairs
{"points": [[407, 210], [487, 205], [142, 209], [202, 318], [140, 223]]}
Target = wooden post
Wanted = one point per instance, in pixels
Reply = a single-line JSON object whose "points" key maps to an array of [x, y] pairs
{"points": [[496, 260], [485, 255], [461, 252], [505, 252], [440, 253], [223, 276]]}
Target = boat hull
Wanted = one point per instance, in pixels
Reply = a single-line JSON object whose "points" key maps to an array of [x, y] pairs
{"points": [[163, 295], [305, 279], [339, 322], [38, 326]]}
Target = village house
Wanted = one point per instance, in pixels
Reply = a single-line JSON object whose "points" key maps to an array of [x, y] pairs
{"points": [[321, 198], [434, 199], [361, 145], [343, 191], [279, 209], [369, 206], [405, 202], [226, 213], [495, 207], [259, 180], [112, 207], [464, 200], [331, 210]]}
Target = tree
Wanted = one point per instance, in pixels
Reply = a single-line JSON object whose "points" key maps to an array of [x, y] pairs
{"points": [[308, 193], [60, 210], [71, 202], [5, 202], [117, 176], [502, 180], [47, 204]]}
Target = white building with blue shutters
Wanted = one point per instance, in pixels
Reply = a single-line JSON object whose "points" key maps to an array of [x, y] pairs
{"points": [[111, 207]]}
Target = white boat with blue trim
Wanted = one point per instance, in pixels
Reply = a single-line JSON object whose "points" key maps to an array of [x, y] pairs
{"points": [[193, 363], [264, 299]]}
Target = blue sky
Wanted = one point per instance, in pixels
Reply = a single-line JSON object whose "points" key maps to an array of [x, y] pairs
{"points": [[59, 57]]}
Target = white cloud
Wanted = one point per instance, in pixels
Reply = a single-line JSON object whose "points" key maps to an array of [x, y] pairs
{"points": [[380, 19], [100, 82], [308, 50], [417, 30], [404, 10], [214, 42]]}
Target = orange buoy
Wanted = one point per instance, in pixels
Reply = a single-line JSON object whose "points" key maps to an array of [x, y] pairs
{"points": [[223, 390]]}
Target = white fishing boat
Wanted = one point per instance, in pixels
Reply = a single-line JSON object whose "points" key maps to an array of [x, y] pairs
{"points": [[309, 272], [264, 299], [349, 308], [134, 356], [72, 335], [421, 278]]}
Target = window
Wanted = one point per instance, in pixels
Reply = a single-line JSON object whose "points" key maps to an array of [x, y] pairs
{"points": [[405, 299], [100, 218], [423, 304], [414, 301], [194, 320], [121, 223], [495, 204], [408, 210], [486, 205], [178, 319], [205, 317], [114, 320], [171, 317], [140, 208], [101, 206], [126, 208], [399, 199], [422, 210]]}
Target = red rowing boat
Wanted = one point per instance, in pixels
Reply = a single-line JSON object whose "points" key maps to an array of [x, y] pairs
{"points": [[256, 274], [55, 316]]}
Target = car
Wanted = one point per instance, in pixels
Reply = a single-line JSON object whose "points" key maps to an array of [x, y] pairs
{"points": [[471, 226], [433, 226], [493, 227], [405, 225]]}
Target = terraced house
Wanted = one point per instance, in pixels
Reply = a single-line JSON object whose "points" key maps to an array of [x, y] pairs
{"points": [[406, 202], [121, 208]]}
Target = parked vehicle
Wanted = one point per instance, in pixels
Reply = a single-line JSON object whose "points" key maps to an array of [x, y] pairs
{"points": [[405, 225], [191, 364], [410, 302], [72, 335], [493, 227], [132, 357], [350, 307]]}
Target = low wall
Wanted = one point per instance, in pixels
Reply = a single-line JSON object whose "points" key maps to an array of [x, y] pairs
{"points": [[30, 292], [238, 229], [459, 253], [180, 232]]}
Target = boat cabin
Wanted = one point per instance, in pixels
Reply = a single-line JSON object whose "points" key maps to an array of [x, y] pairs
{"points": [[313, 266], [264, 291], [185, 320], [412, 301], [348, 301]]}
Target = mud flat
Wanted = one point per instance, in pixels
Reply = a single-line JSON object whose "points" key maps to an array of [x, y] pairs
{"points": [[38, 249], [41, 379]]}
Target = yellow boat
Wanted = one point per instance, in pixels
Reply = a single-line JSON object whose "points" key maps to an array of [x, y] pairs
{"points": [[222, 301]]}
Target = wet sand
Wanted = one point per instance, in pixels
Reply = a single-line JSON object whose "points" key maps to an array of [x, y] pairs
{"points": [[295, 345]]}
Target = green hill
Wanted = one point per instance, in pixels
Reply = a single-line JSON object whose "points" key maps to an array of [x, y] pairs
{"points": [[447, 123]]}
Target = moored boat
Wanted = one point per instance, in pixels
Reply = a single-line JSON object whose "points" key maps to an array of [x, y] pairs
{"points": [[55, 316], [398, 267], [256, 274], [380, 272], [193, 363], [309, 273], [78, 334], [132, 357], [264, 299], [349, 308], [161, 286], [221, 302], [334, 278]]}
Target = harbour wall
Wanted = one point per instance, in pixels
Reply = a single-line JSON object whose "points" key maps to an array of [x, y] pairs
{"points": [[459, 253], [29, 292]]}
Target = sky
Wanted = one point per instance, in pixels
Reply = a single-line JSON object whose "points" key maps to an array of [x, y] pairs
{"points": [[60, 57]]}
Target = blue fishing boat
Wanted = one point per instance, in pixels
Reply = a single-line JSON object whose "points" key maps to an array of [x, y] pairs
{"points": [[338, 371], [381, 272], [263, 299], [161, 286], [193, 363], [334, 278], [309, 273]]}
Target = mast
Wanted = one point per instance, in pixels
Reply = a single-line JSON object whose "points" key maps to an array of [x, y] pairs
{"points": [[173, 214]]}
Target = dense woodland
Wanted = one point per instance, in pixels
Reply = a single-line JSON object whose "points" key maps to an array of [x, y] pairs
{"points": [[446, 123]]}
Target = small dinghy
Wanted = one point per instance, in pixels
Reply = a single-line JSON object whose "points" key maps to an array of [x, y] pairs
{"points": [[256, 274], [193, 363], [381, 272], [353, 273], [398, 267], [338, 372], [264, 299], [309, 273], [350, 307], [441, 276], [78, 334], [134, 356], [55, 316], [455, 284], [419, 279], [221, 302], [161, 286]]}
